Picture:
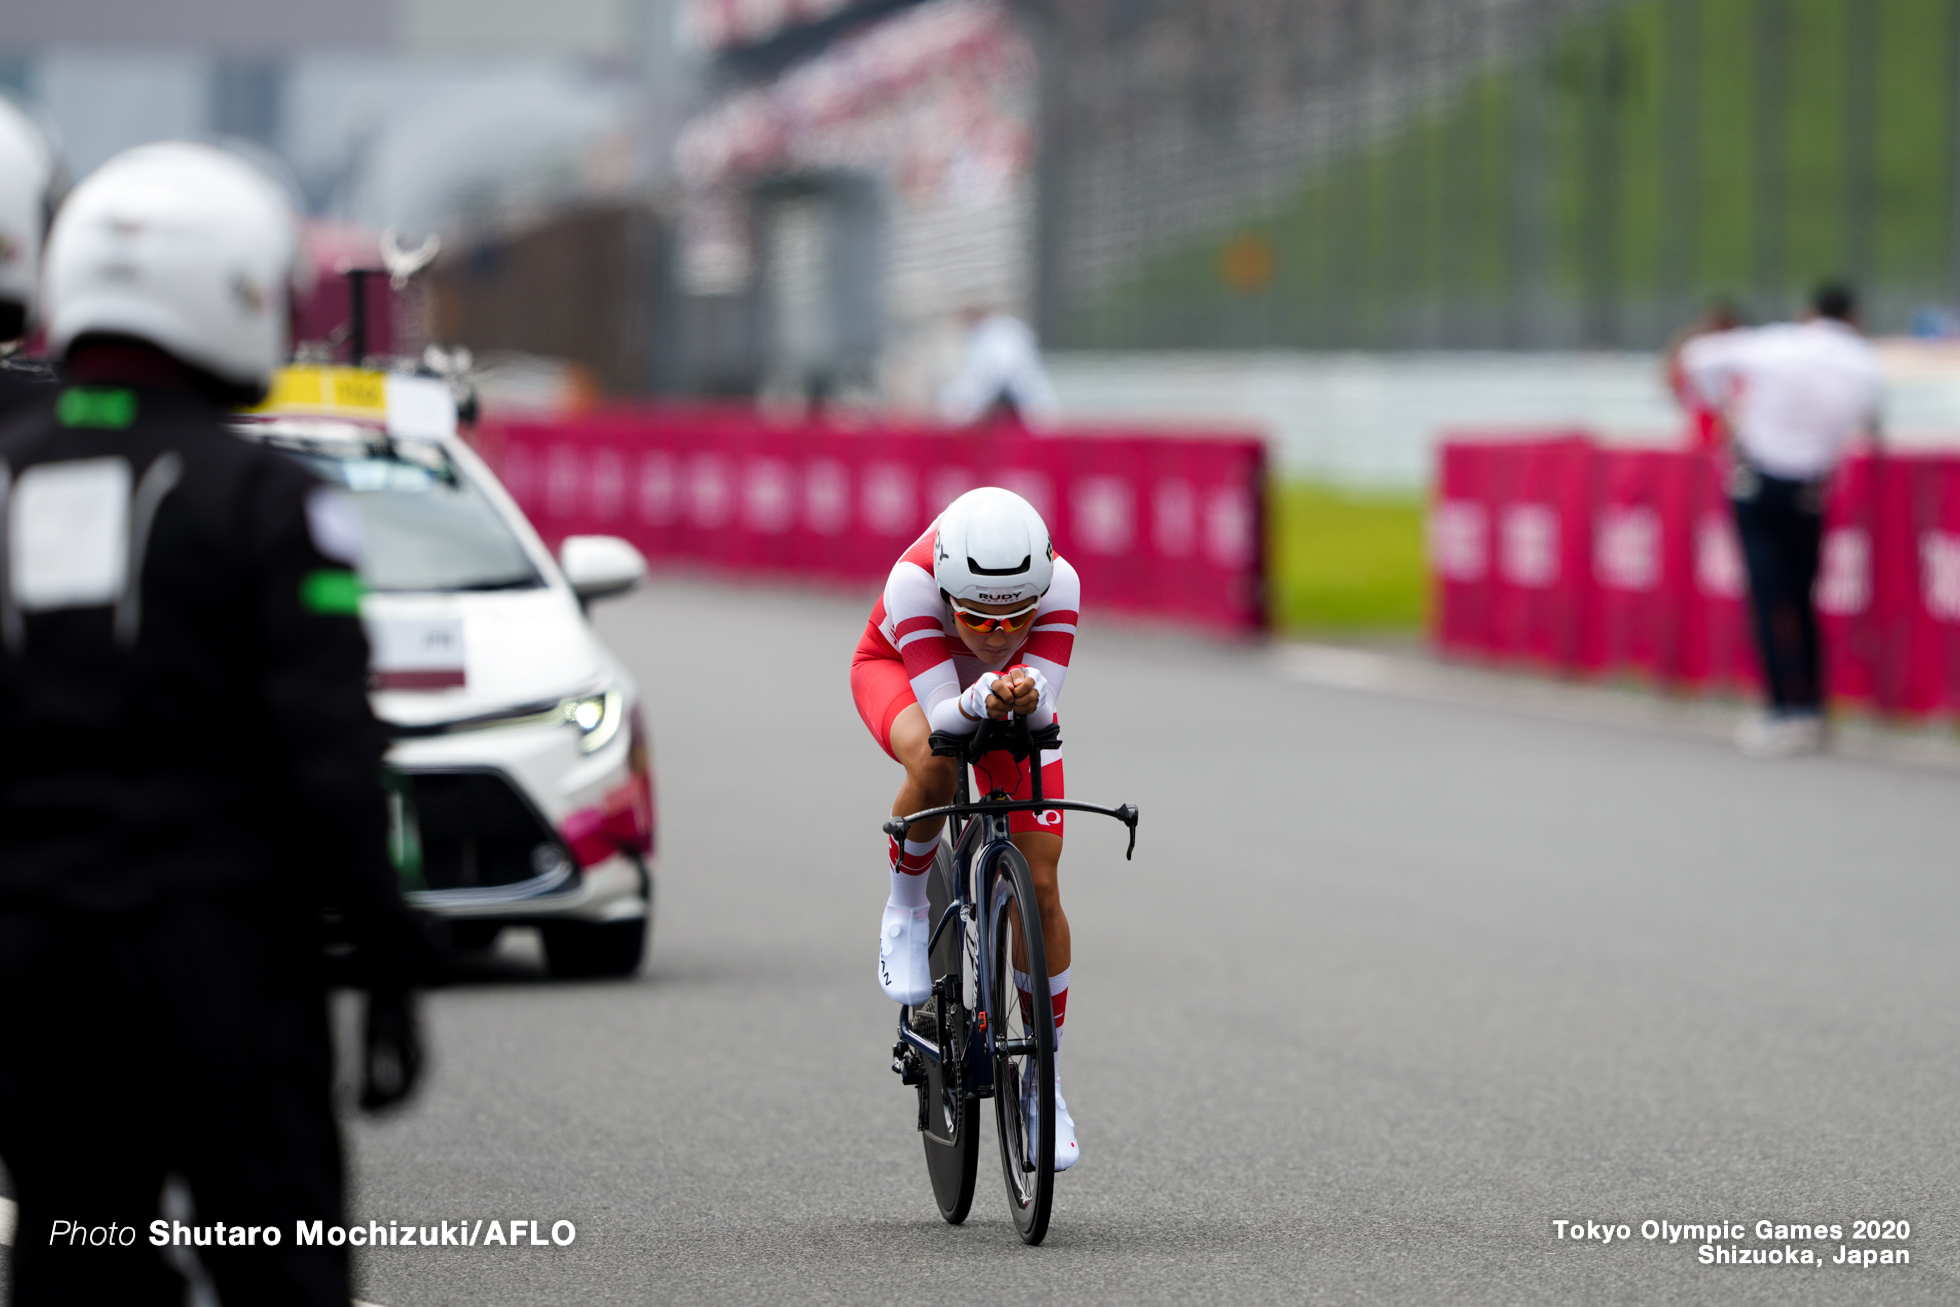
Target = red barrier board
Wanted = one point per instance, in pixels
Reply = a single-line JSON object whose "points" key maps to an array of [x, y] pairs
{"points": [[1167, 525], [1874, 599], [1560, 552], [1643, 558], [1460, 550], [1557, 609], [1936, 618], [1510, 536]]}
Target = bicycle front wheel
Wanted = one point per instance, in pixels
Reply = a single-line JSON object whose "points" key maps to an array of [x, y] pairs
{"points": [[949, 1120], [1023, 1045]]}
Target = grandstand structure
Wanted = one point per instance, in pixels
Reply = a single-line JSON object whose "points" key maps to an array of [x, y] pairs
{"points": [[856, 184], [1381, 175]]}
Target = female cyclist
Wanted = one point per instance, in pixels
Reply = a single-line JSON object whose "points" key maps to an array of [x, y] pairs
{"points": [[977, 621]]}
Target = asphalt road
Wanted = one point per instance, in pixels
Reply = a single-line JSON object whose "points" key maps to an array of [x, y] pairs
{"points": [[1391, 986]]}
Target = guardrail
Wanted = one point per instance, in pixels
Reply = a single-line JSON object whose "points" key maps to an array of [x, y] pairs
{"points": [[1551, 550], [1165, 524]]}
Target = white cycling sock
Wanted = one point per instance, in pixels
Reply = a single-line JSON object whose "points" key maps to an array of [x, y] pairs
{"points": [[1057, 997], [909, 887]]}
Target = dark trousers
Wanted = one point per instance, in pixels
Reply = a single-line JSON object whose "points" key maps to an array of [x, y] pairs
{"points": [[190, 1039], [1781, 524]]}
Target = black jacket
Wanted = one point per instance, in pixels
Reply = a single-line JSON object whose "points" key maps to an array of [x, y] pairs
{"points": [[207, 733], [22, 381]]}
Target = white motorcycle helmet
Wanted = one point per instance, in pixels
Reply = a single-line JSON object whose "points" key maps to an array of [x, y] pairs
{"points": [[991, 547], [182, 245], [30, 173]]}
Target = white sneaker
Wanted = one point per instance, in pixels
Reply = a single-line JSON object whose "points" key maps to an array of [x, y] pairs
{"points": [[1066, 1151], [903, 969], [1780, 735]]}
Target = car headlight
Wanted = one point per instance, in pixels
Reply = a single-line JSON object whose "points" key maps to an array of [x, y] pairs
{"points": [[598, 718]]}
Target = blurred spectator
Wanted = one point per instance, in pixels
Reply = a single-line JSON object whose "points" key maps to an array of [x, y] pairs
{"points": [[1704, 420], [1793, 395], [1001, 376]]}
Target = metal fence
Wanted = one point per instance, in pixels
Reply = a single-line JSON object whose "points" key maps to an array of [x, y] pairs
{"points": [[1487, 173]]}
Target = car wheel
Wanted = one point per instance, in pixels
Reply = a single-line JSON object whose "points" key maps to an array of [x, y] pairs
{"points": [[583, 948]]}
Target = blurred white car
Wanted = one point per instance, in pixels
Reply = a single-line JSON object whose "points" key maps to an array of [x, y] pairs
{"points": [[520, 781]]}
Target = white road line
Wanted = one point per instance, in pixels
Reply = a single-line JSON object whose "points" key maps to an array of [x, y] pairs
{"points": [[10, 1212]]}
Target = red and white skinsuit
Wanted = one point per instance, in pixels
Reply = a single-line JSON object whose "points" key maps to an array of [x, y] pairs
{"points": [[911, 653]]}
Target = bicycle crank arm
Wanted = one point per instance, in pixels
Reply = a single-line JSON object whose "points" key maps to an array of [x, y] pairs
{"points": [[913, 1039]]}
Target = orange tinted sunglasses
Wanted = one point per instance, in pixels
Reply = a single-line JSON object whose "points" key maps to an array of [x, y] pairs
{"points": [[985, 623]]}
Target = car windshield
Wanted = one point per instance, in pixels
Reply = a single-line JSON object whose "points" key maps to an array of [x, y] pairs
{"points": [[426, 526]]}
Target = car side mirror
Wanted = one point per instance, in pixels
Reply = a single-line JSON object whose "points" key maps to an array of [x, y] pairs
{"points": [[600, 567]]}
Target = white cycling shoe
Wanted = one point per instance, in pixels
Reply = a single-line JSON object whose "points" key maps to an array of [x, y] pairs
{"points": [[903, 969], [1066, 1151]]}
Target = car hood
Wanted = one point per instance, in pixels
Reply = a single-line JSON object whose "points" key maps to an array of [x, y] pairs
{"points": [[517, 648]]}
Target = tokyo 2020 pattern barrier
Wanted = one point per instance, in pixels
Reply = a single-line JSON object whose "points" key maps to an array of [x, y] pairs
{"points": [[1166, 525], [1554, 551]]}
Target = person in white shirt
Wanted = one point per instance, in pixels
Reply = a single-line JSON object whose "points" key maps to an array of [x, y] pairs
{"points": [[1793, 395], [1001, 375]]}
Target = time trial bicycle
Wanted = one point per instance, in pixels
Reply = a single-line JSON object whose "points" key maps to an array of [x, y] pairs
{"points": [[972, 1039]]}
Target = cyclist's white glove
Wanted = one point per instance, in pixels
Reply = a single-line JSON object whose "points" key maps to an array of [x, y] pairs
{"points": [[1041, 699], [974, 702]]}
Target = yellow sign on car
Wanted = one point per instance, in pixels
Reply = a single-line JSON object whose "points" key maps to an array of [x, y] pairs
{"points": [[328, 390]]}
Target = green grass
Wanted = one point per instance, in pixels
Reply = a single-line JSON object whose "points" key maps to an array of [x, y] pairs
{"points": [[1346, 562]]}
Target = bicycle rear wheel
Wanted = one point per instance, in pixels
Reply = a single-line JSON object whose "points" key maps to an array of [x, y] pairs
{"points": [[950, 1121], [1023, 1046]]}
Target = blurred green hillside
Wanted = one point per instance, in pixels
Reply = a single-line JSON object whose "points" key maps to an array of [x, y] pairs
{"points": [[1653, 155]]}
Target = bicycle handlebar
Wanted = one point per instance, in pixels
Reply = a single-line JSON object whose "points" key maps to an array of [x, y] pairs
{"points": [[1125, 813], [1023, 742]]}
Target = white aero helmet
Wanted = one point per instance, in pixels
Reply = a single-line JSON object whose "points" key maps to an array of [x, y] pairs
{"points": [[991, 547], [185, 246], [29, 176]]}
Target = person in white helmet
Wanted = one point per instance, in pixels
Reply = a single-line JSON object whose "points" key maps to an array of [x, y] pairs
{"points": [[30, 185], [977, 620], [191, 775]]}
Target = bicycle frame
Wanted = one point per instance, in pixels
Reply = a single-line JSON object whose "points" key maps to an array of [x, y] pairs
{"points": [[980, 833]]}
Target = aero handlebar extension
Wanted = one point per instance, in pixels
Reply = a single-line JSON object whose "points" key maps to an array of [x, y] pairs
{"points": [[1021, 742]]}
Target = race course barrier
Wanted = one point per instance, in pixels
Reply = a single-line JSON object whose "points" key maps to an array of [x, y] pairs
{"points": [[1554, 551], [1169, 525]]}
